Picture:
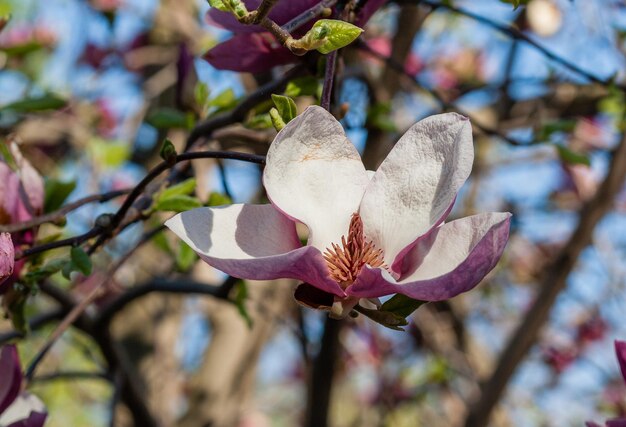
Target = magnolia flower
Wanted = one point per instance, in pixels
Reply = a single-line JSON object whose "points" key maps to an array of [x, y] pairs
{"points": [[17, 408], [252, 49], [370, 233], [7, 256], [21, 198], [620, 350]]}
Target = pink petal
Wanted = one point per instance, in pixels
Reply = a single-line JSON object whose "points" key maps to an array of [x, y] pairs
{"points": [[592, 424], [21, 191], [252, 53], [7, 257], [453, 260], [315, 175], [281, 13], [252, 242], [616, 423], [11, 374], [620, 350], [415, 186]]}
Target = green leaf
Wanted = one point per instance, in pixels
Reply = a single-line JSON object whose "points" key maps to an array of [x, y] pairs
{"points": [[286, 107], [81, 260], [7, 156], [55, 193], [51, 267], [224, 100], [555, 127], [241, 294], [385, 318], [302, 86], [328, 35], [186, 257], [401, 305], [201, 95], [178, 204], [277, 121], [260, 121], [170, 118], [219, 4], [168, 152], [218, 199], [571, 157], [184, 188], [109, 153], [31, 105], [160, 241], [378, 117]]}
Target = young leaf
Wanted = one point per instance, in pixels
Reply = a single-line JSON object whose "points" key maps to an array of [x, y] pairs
{"points": [[31, 105], [386, 318], [219, 4], [55, 193], [277, 121], [218, 199], [109, 153], [330, 34], [224, 100], [168, 152], [571, 157], [302, 86], [177, 204], [170, 118], [80, 260], [184, 188], [241, 293], [401, 305], [286, 107], [186, 257]]}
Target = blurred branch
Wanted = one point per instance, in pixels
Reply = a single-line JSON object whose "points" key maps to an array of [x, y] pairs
{"points": [[445, 105], [176, 286], [554, 280], [60, 213], [322, 375], [36, 322], [238, 114], [72, 375], [516, 34]]}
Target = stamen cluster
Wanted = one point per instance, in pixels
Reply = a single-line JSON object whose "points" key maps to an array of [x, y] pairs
{"points": [[346, 260]]}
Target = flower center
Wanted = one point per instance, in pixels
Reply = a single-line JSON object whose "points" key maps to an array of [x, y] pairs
{"points": [[346, 260]]}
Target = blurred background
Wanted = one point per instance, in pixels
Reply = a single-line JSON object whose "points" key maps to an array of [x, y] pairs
{"points": [[91, 88]]}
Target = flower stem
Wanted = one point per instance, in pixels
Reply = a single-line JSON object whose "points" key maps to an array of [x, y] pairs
{"points": [[329, 78]]}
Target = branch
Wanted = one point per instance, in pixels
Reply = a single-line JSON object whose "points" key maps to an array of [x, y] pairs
{"points": [[321, 377], [391, 63], [176, 286], [553, 282], [105, 231], [516, 34], [60, 213]]}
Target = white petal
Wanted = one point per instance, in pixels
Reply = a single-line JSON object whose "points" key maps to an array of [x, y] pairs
{"points": [[453, 259], [315, 175], [252, 242], [415, 186]]}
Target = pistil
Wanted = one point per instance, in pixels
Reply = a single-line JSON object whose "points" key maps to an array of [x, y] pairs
{"points": [[346, 260]]}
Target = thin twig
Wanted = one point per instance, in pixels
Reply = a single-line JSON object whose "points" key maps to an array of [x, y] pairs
{"points": [[60, 213], [514, 33], [444, 105], [79, 308], [329, 78]]}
